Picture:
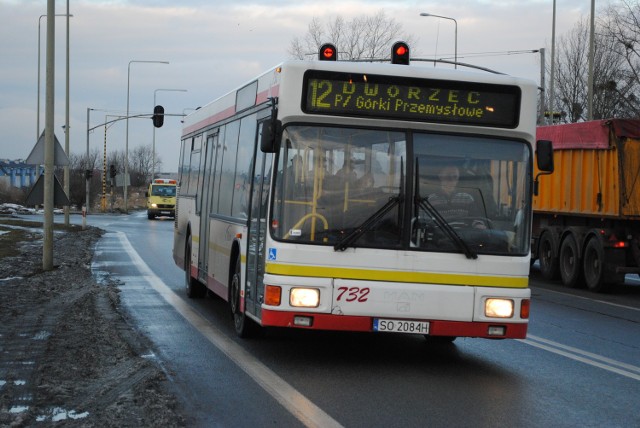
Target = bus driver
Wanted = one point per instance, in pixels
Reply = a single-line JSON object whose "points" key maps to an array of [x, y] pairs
{"points": [[453, 202]]}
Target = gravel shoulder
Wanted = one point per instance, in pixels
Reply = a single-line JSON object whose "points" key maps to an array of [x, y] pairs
{"points": [[68, 356]]}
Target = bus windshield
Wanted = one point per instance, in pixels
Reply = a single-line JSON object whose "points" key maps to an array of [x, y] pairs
{"points": [[353, 187]]}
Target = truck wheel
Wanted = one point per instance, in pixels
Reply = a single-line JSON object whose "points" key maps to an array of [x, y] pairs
{"points": [[195, 289], [593, 265], [570, 266], [548, 256]]}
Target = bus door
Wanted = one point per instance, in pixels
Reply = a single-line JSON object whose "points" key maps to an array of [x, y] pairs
{"points": [[254, 289], [204, 201]]}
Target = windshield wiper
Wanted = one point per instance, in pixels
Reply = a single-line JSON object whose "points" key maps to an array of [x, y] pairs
{"points": [[446, 227], [366, 225], [440, 221]]}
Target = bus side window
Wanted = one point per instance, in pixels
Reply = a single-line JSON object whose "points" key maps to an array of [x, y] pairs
{"points": [[242, 180]]}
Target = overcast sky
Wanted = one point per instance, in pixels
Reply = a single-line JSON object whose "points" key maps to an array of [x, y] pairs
{"points": [[214, 46]]}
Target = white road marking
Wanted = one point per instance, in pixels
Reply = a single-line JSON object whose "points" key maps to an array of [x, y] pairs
{"points": [[291, 399], [595, 360], [593, 300]]}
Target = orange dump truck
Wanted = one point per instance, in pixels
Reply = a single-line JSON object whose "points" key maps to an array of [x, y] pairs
{"points": [[586, 221]]}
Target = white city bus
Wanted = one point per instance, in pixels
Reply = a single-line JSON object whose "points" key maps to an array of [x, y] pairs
{"points": [[304, 200]]}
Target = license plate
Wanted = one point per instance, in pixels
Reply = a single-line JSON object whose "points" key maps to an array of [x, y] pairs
{"points": [[401, 326]]}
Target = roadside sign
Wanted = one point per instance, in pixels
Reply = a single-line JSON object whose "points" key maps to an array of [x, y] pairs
{"points": [[36, 194], [36, 157]]}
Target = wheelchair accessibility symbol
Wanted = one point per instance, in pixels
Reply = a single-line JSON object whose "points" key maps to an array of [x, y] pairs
{"points": [[273, 254]]}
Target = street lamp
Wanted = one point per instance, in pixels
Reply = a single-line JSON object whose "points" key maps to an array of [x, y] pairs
{"points": [[591, 54], [153, 159], [126, 149], [38, 108], [456, 33], [552, 76]]}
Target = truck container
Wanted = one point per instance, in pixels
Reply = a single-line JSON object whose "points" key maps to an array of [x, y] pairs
{"points": [[586, 220]]}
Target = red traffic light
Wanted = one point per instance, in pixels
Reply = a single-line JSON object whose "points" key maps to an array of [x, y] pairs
{"points": [[400, 53], [328, 52]]}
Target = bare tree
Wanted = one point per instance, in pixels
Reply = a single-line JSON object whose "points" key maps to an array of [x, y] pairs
{"points": [[141, 163], [366, 37], [571, 75], [611, 82], [622, 26]]}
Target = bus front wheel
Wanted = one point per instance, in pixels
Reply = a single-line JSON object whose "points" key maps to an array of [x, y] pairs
{"points": [[244, 326]]}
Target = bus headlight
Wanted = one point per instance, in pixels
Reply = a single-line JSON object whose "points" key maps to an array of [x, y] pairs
{"points": [[304, 297], [154, 205], [498, 308]]}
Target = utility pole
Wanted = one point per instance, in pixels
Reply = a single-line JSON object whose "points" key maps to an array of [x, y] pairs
{"points": [[591, 54], [542, 88], [67, 178], [49, 147], [552, 77]]}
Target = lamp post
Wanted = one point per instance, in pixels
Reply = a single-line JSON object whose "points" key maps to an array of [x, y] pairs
{"points": [[38, 105], [552, 76], [591, 54], [153, 158], [456, 33], [67, 187], [126, 149]]}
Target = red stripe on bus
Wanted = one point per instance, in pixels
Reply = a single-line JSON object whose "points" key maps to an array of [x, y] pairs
{"points": [[228, 112], [364, 324], [263, 96]]}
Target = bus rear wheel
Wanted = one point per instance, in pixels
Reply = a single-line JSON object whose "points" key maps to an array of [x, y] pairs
{"points": [[194, 288]]}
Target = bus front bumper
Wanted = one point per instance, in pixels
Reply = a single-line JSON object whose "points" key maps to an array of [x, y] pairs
{"points": [[318, 321]]}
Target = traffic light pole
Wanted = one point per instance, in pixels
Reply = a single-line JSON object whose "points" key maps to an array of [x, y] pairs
{"points": [[157, 117]]}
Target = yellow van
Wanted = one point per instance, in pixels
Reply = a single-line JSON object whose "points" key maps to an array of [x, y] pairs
{"points": [[161, 198]]}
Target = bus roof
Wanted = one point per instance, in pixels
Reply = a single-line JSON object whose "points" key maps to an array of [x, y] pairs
{"points": [[276, 83]]}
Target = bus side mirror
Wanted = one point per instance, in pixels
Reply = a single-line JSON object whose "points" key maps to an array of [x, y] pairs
{"points": [[544, 161], [544, 155], [270, 136]]}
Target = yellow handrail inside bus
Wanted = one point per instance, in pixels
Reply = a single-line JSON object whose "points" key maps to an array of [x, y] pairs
{"points": [[303, 219]]}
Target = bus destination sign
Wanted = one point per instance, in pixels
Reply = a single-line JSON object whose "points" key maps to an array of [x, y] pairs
{"points": [[424, 100]]}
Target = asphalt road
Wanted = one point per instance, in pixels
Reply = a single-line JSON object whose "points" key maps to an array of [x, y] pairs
{"points": [[579, 366]]}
